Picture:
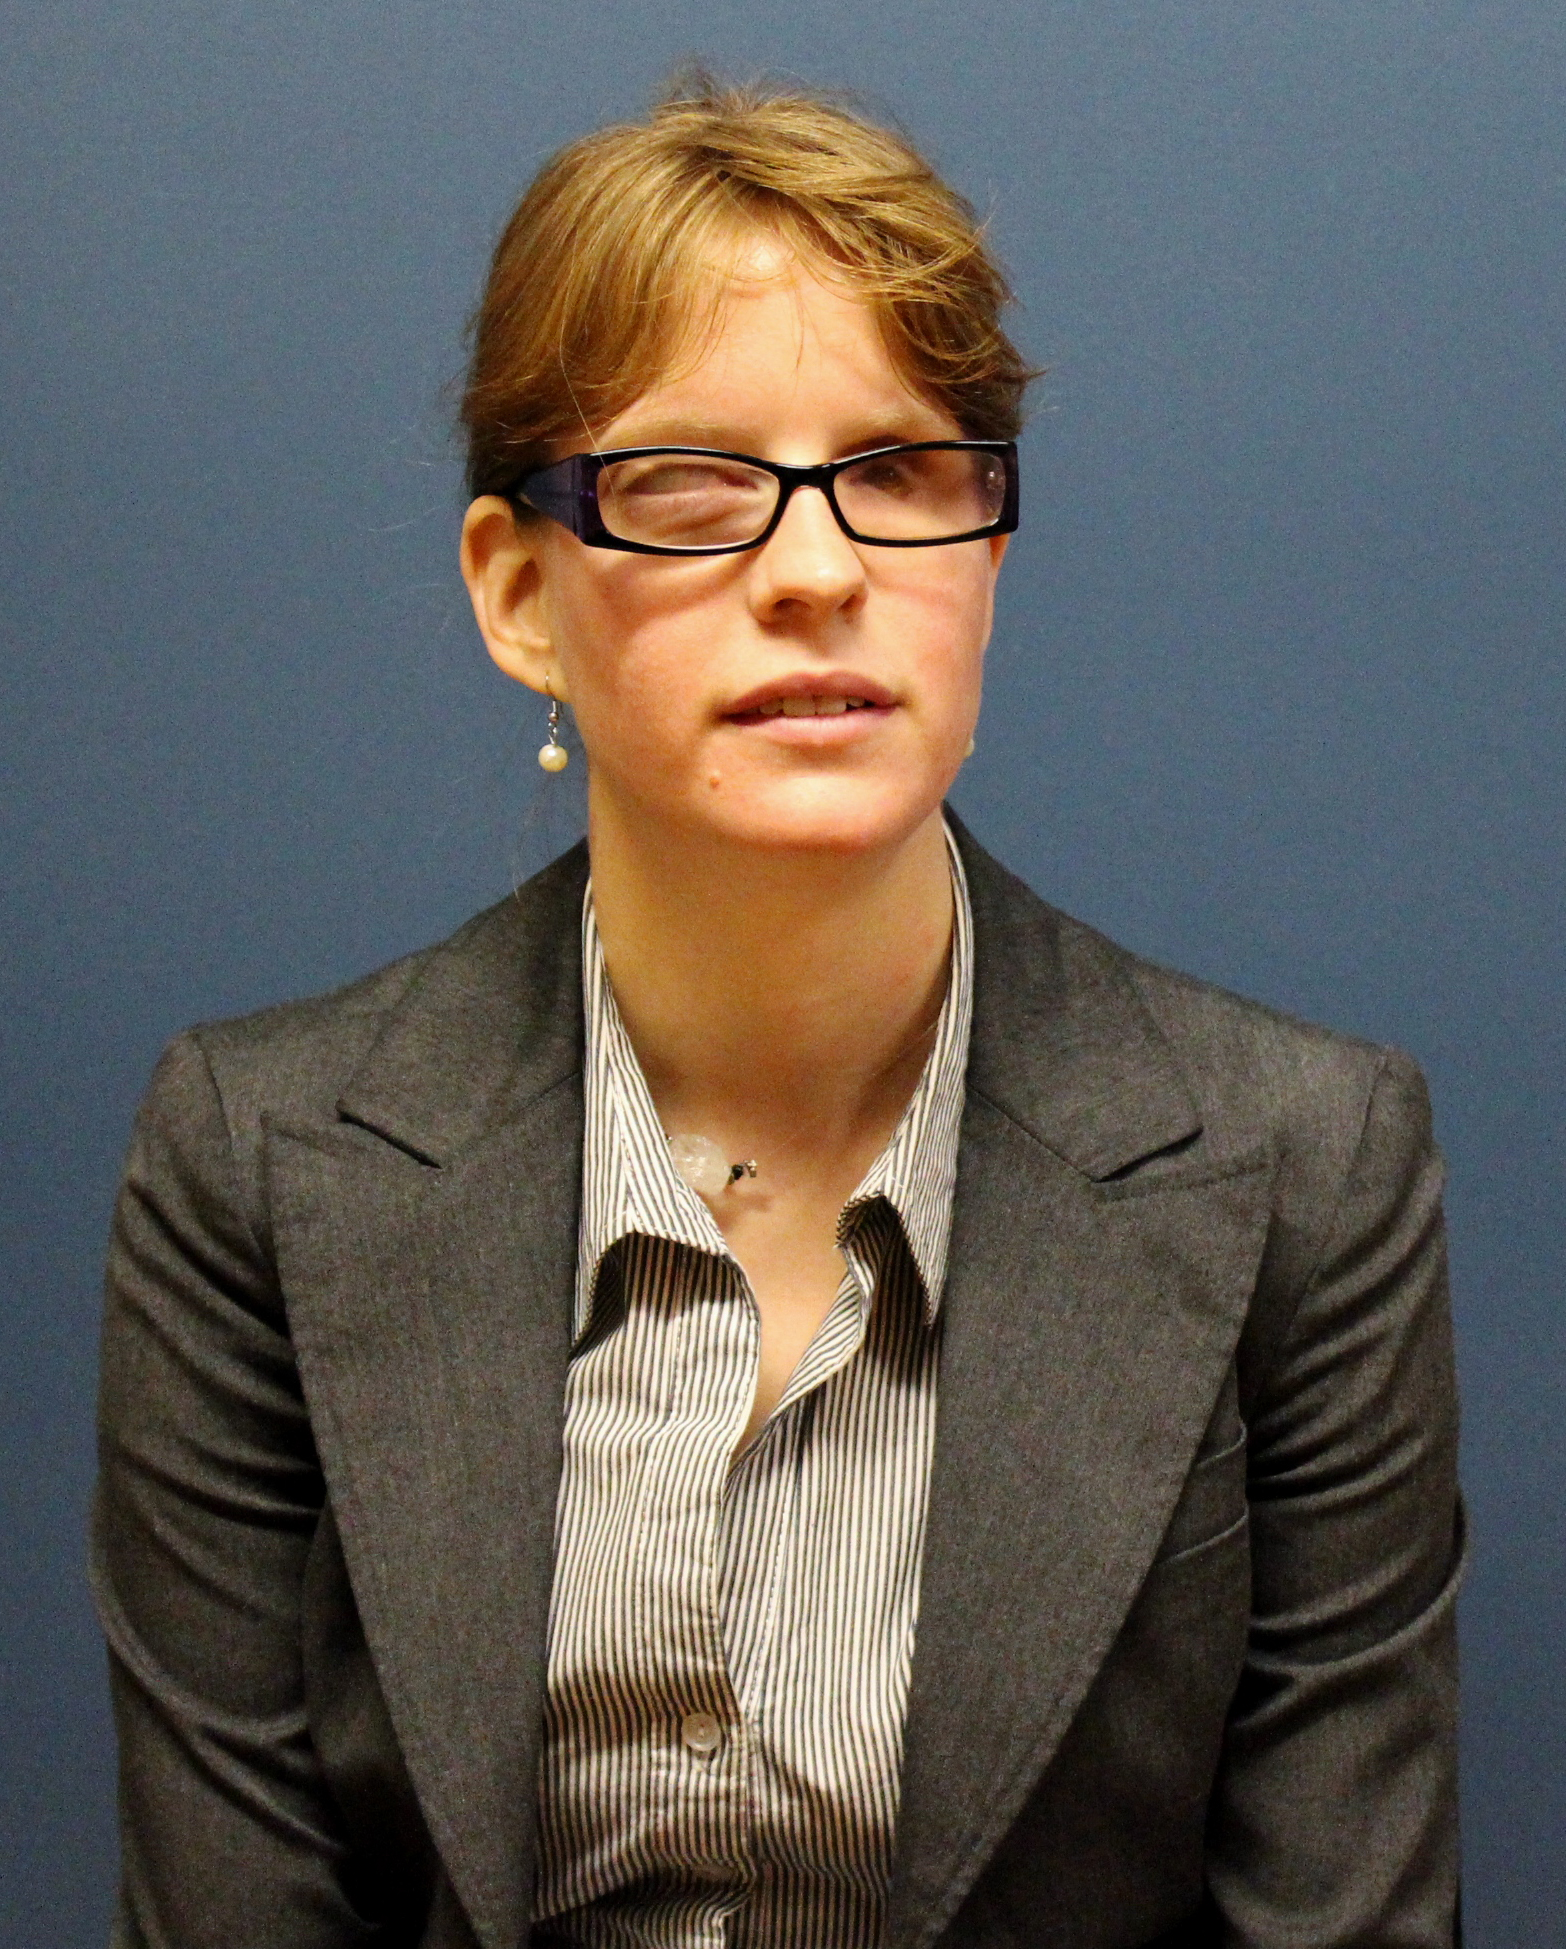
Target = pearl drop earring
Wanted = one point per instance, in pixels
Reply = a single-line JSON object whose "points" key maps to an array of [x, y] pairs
{"points": [[554, 756]]}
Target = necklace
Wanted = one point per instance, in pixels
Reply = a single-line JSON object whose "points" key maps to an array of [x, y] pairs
{"points": [[704, 1167], [702, 1163]]}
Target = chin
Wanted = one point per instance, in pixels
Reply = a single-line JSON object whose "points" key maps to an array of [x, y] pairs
{"points": [[840, 817]]}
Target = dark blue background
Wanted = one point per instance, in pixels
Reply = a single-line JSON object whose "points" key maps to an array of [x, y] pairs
{"points": [[1276, 690]]}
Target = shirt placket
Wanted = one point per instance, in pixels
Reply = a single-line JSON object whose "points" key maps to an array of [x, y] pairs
{"points": [[706, 1745], [762, 1491]]}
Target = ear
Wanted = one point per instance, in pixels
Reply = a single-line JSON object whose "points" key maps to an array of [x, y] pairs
{"points": [[502, 564], [998, 547]]}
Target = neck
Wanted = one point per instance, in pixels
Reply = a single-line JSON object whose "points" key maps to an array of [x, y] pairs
{"points": [[782, 1004]]}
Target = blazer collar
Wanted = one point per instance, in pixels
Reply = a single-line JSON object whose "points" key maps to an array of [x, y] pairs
{"points": [[1062, 1042], [492, 1023]]}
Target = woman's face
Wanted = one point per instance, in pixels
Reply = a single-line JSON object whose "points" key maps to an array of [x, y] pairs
{"points": [[672, 667]]}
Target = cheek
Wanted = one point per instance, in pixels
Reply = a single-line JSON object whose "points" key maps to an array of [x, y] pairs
{"points": [[617, 631], [637, 687], [947, 624]]}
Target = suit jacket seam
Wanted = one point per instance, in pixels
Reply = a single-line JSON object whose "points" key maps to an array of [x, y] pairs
{"points": [[263, 1246], [1312, 1273], [983, 1096]]}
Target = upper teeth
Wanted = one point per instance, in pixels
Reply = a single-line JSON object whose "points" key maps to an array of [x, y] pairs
{"points": [[810, 706]]}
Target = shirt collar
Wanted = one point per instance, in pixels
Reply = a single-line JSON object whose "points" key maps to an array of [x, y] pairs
{"points": [[630, 1185]]}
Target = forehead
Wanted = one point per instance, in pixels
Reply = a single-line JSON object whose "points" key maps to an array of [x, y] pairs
{"points": [[776, 342]]}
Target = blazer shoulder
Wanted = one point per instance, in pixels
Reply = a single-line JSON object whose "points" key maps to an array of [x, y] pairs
{"points": [[1346, 1121], [1121, 1030], [1237, 1051], [450, 1026], [1254, 1074], [292, 1059]]}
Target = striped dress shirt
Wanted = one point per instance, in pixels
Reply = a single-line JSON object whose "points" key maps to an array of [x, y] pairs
{"points": [[730, 1639]]}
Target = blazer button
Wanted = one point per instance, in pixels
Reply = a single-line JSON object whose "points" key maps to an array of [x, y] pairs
{"points": [[701, 1733]]}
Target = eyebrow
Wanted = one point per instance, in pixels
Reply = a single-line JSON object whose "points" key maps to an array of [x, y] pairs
{"points": [[685, 432]]}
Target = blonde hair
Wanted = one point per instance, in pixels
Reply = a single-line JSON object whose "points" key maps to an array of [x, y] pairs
{"points": [[612, 266]]}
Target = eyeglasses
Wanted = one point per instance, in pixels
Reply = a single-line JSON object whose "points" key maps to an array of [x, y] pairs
{"points": [[695, 501]]}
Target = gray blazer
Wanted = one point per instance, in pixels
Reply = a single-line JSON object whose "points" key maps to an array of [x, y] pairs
{"points": [[1185, 1666]]}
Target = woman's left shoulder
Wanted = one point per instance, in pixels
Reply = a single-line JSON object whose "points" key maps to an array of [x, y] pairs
{"points": [[1294, 1083], [1355, 1176], [1255, 1077]]}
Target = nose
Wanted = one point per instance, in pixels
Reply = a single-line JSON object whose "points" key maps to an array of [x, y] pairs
{"points": [[808, 569]]}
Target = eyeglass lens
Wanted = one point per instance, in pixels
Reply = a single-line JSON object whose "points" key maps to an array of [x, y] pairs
{"points": [[683, 500]]}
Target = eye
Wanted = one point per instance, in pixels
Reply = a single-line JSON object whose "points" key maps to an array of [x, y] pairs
{"points": [[660, 475], [685, 500], [888, 473]]}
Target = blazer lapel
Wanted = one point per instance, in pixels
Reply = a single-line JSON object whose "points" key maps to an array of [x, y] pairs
{"points": [[1090, 1314], [427, 1246]]}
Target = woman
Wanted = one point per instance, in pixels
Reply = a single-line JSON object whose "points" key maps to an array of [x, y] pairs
{"points": [[786, 1393]]}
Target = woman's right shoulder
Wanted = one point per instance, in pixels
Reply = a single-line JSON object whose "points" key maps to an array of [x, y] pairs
{"points": [[289, 1060], [290, 1064], [216, 1086], [220, 1083]]}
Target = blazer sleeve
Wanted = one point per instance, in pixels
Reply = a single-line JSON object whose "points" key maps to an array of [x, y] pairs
{"points": [[209, 1495], [1334, 1820]]}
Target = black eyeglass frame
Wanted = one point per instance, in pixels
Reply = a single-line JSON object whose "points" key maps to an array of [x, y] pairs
{"points": [[567, 491]]}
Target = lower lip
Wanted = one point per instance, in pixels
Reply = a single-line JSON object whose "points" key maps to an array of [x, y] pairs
{"points": [[815, 733]]}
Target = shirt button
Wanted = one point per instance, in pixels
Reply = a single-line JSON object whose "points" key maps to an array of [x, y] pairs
{"points": [[701, 1733]]}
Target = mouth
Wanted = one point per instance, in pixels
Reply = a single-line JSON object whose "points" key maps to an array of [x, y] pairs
{"points": [[804, 707], [830, 697]]}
